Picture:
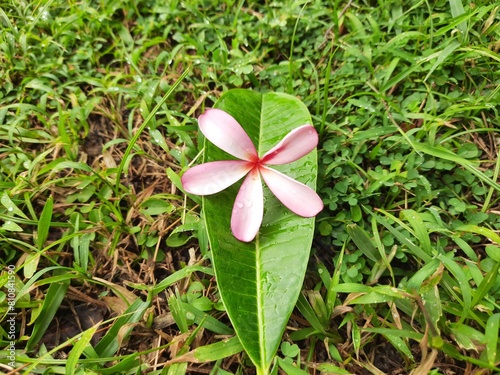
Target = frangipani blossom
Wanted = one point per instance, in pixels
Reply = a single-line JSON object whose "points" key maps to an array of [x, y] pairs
{"points": [[225, 132]]}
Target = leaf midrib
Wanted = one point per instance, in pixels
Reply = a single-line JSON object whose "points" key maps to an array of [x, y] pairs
{"points": [[260, 302]]}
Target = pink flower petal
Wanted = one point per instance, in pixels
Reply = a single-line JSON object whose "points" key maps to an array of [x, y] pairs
{"points": [[215, 176], [297, 197], [225, 132], [297, 143], [248, 208]]}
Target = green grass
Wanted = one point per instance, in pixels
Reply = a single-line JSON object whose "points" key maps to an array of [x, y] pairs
{"points": [[98, 108]]}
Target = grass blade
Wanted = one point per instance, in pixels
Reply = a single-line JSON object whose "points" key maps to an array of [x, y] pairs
{"points": [[457, 9], [53, 298], [487, 283], [363, 242], [212, 352], [416, 250], [492, 339], [290, 369], [78, 349], [44, 222], [420, 229], [441, 152], [442, 56], [463, 283], [110, 343]]}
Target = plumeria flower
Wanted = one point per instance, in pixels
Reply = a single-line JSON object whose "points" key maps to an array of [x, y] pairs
{"points": [[225, 132]]}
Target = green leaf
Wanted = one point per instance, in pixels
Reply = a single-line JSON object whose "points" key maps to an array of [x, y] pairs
{"points": [[463, 283], [44, 222], [442, 56], [491, 336], [177, 369], [416, 250], [51, 303], [178, 313], [307, 311], [78, 349], [493, 252], [422, 274], [363, 242], [479, 230], [466, 337], [486, 285], [260, 281], [433, 306], [122, 367], [400, 345], [457, 10], [289, 350], [212, 352], [328, 368], [290, 369], [59, 164], [175, 179], [11, 206], [31, 264], [420, 229], [208, 321], [121, 328], [11, 226], [179, 237], [443, 153], [159, 139], [156, 206], [173, 278]]}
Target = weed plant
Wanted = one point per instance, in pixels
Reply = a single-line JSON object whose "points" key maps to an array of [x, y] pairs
{"points": [[98, 107]]}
